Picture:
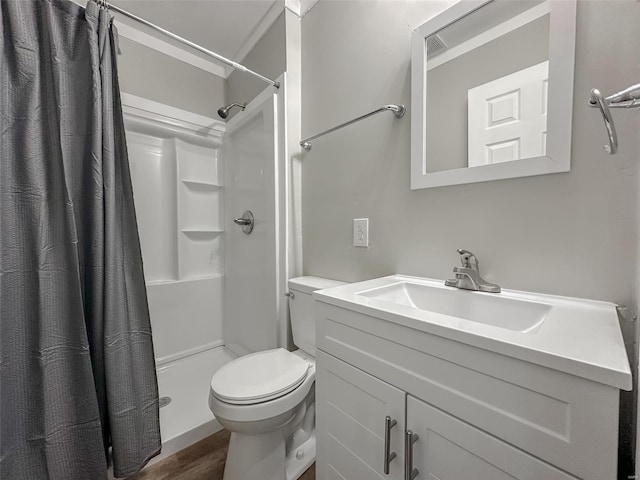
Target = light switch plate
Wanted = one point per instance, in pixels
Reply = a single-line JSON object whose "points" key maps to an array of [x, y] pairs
{"points": [[360, 232]]}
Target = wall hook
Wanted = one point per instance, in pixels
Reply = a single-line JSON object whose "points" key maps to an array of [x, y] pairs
{"points": [[627, 98], [598, 100]]}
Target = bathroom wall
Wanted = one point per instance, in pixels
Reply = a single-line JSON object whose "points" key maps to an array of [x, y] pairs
{"points": [[572, 234], [176, 173], [636, 346], [268, 58], [279, 50], [177, 187], [150, 74], [568, 234]]}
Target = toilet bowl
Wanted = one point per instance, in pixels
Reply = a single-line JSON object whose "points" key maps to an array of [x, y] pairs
{"points": [[266, 400]]}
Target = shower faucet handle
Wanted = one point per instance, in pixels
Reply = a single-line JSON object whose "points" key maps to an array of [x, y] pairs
{"points": [[246, 221]]}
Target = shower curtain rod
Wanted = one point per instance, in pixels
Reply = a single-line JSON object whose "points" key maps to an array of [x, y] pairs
{"points": [[220, 58]]}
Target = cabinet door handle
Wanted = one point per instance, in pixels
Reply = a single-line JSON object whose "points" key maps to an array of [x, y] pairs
{"points": [[388, 454], [409, 439]]}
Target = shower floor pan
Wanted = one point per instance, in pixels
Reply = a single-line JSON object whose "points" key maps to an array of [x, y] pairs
{"points": [[186, 418]]}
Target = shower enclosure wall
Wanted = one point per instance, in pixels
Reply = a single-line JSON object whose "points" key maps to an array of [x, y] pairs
{"points": [[190, 180]]}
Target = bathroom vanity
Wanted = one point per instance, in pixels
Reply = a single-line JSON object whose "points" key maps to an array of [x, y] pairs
{"points": [[419, 380]]}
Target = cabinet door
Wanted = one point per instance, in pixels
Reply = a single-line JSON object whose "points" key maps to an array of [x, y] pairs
{"points": [[450, 449], [351, 407]]}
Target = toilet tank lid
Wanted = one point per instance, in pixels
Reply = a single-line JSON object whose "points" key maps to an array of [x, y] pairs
{"points": [[310, 284]]}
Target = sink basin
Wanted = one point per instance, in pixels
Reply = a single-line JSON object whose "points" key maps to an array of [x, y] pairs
{"points": [[487, 308]]}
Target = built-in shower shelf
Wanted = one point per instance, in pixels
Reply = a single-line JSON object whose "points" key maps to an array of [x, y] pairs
{"points": [[195, 278], [171, 281], [151, 283], [202, 231], [201, 184]]}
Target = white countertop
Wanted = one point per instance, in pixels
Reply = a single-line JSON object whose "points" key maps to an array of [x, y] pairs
{"points": [[579, 337]]}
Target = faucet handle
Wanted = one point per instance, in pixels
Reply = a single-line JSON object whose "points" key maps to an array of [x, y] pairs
{"points": [[467, 258]]}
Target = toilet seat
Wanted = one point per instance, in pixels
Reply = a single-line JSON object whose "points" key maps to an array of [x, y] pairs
{"points": [[259, 377]]}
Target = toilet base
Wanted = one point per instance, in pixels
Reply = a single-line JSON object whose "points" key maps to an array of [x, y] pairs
{"points": [[256, 457], [262, 457], [300, 459]]}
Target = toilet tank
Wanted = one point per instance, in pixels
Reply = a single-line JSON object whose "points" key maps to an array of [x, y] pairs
{"points": [[301, 308]]}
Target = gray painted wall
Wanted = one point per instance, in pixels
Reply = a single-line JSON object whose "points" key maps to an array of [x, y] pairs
{"points": [[150, 74], [449, 83], [268, 58], [568, 234]]}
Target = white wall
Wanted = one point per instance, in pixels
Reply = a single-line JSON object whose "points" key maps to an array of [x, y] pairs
{"points": [[253, 295], [569, 234], [146, 73], [267, 57], [279, 50], [185, 293], [636, 347], [176, 176]]}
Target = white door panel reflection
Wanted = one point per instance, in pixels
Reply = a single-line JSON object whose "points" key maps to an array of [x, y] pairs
{"points": [[508, 117]]}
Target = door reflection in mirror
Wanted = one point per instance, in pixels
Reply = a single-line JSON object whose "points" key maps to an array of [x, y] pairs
{"points": [[487, 77]]}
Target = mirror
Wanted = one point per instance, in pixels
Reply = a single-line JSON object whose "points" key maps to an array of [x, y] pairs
{"points": [[492, 92]]}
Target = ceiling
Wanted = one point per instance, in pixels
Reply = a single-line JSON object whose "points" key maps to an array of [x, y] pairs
{"points": [[222, 26]]}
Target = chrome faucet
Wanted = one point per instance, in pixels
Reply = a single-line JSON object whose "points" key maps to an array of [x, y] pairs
{"points": [[468, 275]]}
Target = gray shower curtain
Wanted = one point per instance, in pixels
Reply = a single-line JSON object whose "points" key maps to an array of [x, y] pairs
{"points": [[77, 371]]}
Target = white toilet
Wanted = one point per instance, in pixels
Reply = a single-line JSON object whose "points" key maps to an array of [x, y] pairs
{"points": [[266, 399]]}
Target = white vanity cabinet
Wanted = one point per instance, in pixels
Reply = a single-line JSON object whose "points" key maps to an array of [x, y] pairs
{"points": [[478, 414], [352, 407]]}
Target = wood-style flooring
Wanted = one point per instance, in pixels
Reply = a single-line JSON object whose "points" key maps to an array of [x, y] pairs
{"points": [[201, 461]]}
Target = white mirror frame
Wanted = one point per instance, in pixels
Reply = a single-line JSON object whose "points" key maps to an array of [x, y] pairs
{"points": [[562, 40]]}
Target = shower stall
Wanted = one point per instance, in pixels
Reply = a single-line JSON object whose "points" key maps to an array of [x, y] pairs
{"points": [[214, 291]]}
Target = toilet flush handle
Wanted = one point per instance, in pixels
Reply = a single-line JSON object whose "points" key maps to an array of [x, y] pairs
{"points": [[291, 295]]}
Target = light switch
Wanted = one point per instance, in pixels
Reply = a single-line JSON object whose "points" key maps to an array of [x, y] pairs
{"points": [[360, 232]]}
